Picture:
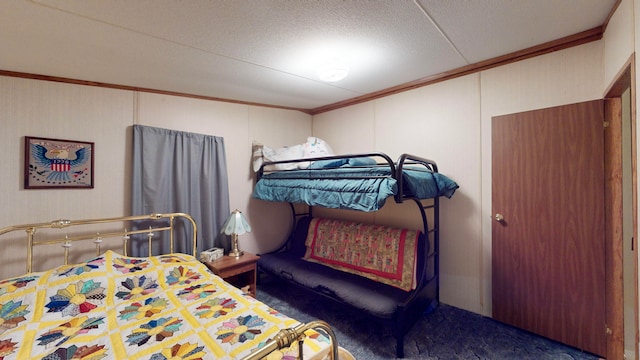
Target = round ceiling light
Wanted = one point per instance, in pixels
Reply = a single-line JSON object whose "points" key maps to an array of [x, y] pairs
{"points": [[332, 73]]}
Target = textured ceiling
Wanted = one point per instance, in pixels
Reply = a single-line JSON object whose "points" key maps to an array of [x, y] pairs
{"points": [[268, 51]]}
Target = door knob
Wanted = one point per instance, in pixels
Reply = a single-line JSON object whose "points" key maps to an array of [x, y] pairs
{"points": [[498, 218]]}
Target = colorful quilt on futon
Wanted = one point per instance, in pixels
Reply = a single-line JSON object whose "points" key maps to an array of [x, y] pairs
{"points": [[117, 307], [377, 252]]}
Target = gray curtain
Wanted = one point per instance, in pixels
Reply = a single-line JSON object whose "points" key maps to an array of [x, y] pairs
{"points": [[176, 171]]}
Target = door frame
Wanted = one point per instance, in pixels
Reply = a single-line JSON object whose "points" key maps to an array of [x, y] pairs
{"points": [[624, 80]]}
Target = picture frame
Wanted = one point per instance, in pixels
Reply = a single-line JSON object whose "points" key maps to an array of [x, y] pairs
{"points": [[58, 164]]}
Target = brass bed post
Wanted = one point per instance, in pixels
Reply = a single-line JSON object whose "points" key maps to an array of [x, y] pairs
{"points": [[66, 245], [171, 234], [149, 237], [125, 242], [98, 241], [30, 232], [286, 337]]}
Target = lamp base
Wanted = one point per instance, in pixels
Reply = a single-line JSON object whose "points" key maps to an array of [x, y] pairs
{"points": [[236, 253]]}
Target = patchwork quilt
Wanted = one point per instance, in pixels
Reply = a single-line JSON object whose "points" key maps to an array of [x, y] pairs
{"points": [[377, 252], [117, 307]]}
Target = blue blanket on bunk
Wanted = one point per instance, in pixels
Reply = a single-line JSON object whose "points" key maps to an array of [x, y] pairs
{"points": [[356, 188]]}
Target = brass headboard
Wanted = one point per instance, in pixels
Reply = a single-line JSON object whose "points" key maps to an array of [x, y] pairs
{"points": [[97, 237]]}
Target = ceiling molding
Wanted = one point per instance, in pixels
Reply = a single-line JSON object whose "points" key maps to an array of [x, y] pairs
{"points": [[548, 47], [613, 10], [139, 89], [551, 46]]}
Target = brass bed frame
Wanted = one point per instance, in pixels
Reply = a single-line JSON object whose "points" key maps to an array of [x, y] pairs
{"points": [[283, 339], [67, 241]]}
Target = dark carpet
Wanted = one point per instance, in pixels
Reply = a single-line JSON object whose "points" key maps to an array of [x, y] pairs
{"points": [[445, 333]]}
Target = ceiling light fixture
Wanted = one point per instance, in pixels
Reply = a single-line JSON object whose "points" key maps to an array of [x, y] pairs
{"points": [[333, 73]]}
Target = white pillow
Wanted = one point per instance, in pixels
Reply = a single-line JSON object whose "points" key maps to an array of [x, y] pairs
{"points": [[314, 147], [283, 153], [256, 156]]}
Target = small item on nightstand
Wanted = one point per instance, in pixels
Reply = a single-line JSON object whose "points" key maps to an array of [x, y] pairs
{"points": [[211, 254], [237, 271]]}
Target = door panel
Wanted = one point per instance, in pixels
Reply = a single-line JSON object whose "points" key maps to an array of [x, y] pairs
{"points": [[548, 264]]}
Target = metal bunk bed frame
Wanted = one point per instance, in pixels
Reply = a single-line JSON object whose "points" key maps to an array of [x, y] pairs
{"points": [[428, 286]]}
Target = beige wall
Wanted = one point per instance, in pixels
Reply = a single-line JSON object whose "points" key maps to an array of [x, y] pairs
{"points": [[61, 111], [239, 125], [105, 116], [449, 122], [431, 122], [442, 123], [618, 41]]}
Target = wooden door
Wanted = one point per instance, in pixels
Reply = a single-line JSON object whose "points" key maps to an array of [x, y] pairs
{"points": [[548, 264]]}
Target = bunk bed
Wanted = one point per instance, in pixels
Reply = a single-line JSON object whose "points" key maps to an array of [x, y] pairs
{"points": [[116, 306], [362, 182]]}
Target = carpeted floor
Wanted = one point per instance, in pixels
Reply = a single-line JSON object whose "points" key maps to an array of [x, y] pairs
{"points": [[446, 333]]}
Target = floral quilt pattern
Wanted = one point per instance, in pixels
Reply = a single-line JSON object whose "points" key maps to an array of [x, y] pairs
{"points": [[117, 307]]}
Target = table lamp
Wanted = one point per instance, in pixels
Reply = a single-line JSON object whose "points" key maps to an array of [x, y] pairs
{"points": [[235, 225]]}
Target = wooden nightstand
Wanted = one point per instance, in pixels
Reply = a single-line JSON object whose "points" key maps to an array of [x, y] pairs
{"points": [[240, 272]]}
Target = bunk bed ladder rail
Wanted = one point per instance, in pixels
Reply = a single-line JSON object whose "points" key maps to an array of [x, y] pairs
{"points": [[295, 216], [430, 165], [407, 314]]}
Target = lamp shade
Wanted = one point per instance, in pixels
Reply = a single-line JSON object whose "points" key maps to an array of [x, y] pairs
{"points": [[236, 224]]}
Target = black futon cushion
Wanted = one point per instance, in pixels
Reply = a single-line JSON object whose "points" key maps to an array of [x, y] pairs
{"points": [[373, 297]]}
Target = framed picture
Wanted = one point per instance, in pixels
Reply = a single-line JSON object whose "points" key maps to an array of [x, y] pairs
{"points": [[57, 164]]}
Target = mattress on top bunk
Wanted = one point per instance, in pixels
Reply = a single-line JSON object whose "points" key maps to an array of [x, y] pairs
{"points": [[425, 184], [358, 188]]}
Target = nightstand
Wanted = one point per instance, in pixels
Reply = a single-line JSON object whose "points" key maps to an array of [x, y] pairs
{"points": [[240, 272]]}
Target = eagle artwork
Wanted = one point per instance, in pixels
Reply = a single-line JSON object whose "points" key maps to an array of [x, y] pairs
{"points": [[59, 163]]}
